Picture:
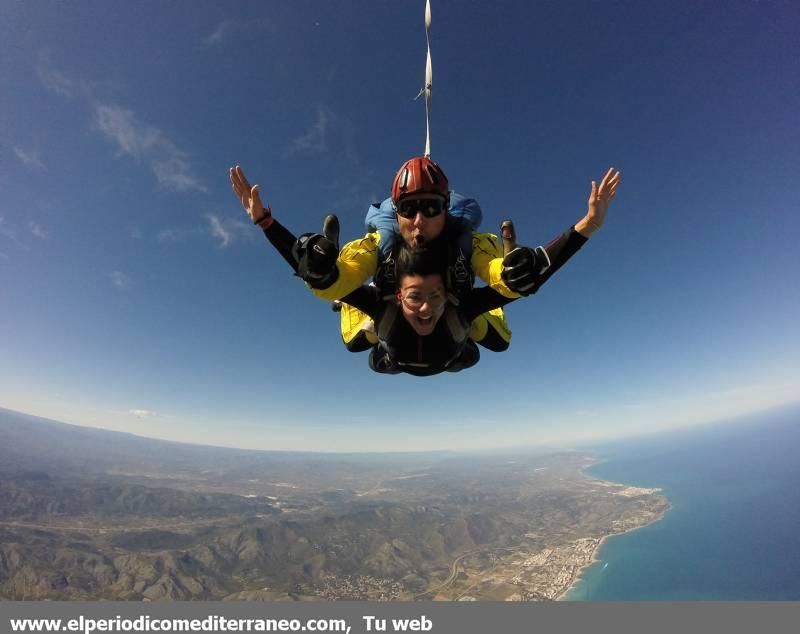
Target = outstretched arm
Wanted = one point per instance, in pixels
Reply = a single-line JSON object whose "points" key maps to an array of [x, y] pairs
{"points": [[279, 236], [525, 269], [489, 264], [312, 256]]}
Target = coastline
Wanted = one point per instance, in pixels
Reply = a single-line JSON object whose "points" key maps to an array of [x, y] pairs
{"points": [[579, 574], [596, 552]]}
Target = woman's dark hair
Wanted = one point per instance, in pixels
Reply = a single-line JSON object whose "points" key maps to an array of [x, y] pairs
{"points": [[422, 260]]}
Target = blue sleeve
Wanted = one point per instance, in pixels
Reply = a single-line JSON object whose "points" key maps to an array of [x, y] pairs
{"points": [[381, 218], [463, 218], [467, 209]]}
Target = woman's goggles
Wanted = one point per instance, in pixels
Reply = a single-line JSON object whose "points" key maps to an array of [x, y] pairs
{"points": [[415, 300], [428, 207]]}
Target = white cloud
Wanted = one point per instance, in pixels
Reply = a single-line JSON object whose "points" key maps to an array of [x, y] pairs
{"points": [[141, 413], [29, 157], [223, 28], [144, 142], [170, 164], [120, 126], [329, 134], [174, 171], [118, 279], [227, 231], [56, 81], [219, 231], [36, 229], [6, 231], [315, 139], [167, 235], [229, 27]]}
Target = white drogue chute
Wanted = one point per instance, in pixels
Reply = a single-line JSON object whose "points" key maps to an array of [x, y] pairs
{"points": [[428, 79], [426, 88]]}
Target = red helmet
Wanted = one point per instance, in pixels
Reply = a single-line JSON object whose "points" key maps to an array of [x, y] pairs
{"points": [[419, 175]]}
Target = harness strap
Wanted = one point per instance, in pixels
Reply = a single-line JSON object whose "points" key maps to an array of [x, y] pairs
{"points": [[386, 323], [455, 325]]}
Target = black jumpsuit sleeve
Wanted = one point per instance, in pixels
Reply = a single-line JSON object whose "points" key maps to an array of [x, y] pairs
{"points": [[365, 298], [481, 300], [283, 240], [559, 250]]}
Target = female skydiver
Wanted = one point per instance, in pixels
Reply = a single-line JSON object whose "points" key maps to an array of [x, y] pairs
{"points": [[422, 331]]}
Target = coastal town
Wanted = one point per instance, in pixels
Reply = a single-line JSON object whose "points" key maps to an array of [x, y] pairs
{"points": [[505, 573], [258, 526]]}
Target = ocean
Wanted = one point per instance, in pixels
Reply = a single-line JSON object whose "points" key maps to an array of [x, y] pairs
{"points": [[733, 532]]}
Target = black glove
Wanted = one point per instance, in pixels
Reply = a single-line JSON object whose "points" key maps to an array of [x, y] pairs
{"points": [[316, 260], [316, 255], [523, 268]]}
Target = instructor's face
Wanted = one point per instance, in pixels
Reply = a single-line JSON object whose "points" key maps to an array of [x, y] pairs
{"points": [[423, 300], [420, 228]]}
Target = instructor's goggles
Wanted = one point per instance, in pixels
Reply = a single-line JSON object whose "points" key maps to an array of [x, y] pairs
{"points": [[428, 207]]}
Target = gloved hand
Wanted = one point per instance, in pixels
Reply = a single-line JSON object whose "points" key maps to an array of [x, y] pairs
{"points": [[522, 266], [316, 255]]}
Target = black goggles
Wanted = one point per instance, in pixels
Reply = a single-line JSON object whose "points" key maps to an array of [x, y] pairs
{"points": [[428, 207]]}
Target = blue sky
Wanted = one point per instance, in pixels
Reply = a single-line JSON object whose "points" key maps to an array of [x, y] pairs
{"points": [[135, 296]]}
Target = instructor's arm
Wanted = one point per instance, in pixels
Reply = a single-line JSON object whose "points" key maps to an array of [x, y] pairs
{"points": [[599, 200]]}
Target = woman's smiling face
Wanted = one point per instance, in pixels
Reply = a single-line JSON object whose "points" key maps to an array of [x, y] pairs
{"points": [[423, 300]]}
